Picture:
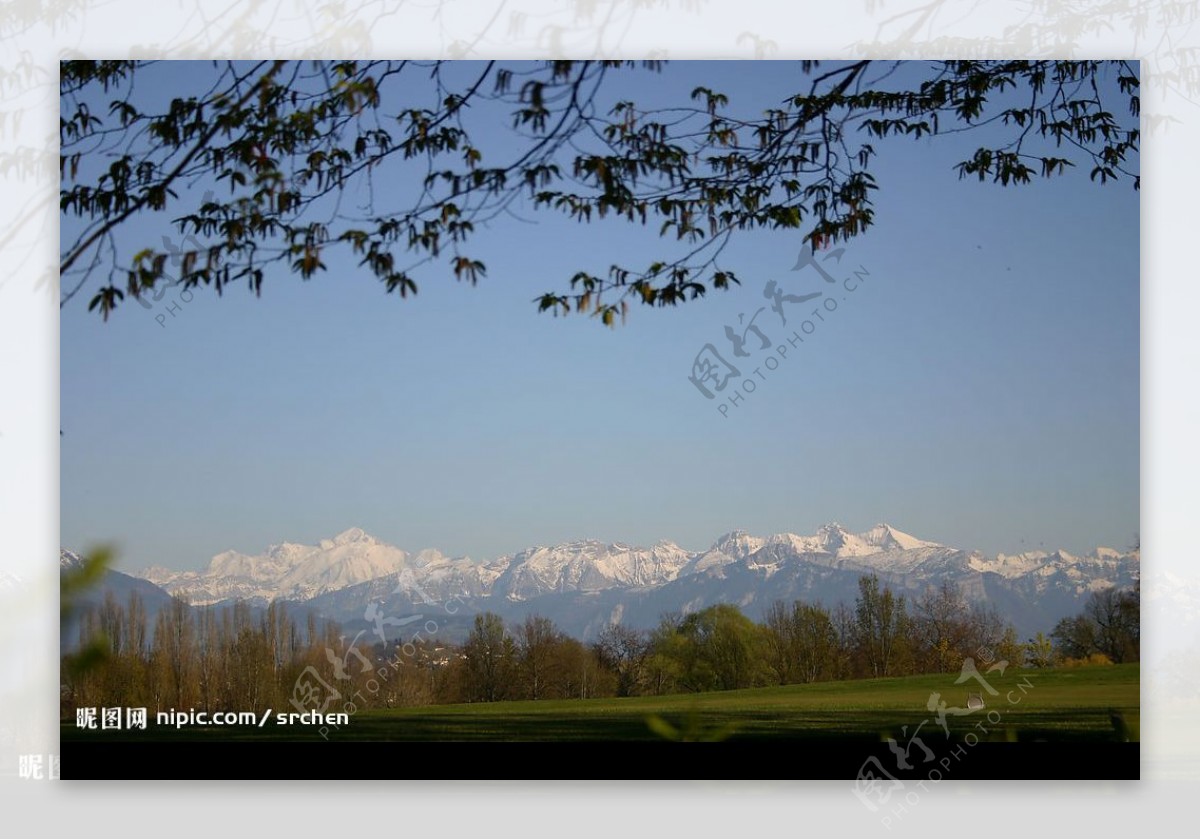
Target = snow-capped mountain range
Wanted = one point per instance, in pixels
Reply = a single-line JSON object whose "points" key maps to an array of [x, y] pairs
{"points": [[585, 584], [287, 571]]}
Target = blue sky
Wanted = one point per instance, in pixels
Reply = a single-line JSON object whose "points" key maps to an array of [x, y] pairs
{"points": [[979, 387]]}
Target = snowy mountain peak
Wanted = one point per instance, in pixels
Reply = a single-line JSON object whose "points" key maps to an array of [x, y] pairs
{"points": [[352, 535], [885, 536], [732, 535], [427, 557], [737, 543], [586, 566], [287, 570], [833, 536]]}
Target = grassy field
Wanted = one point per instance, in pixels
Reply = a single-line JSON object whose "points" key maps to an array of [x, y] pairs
{"points": [[1092, 704]]}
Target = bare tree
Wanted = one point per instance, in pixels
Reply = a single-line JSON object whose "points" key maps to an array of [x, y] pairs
{"points": [[489, 653], [174, 652], [624, 650], [881, 626], [942, 627], [537, 639]]}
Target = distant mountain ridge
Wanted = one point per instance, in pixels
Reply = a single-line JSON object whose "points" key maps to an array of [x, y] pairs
{"points": [[585, 584]]}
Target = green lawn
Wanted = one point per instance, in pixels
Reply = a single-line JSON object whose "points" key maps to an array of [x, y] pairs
{"points": [[1053, 704]]}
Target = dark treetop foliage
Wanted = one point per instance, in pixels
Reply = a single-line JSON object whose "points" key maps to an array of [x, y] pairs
{"points": [[288, 150]]}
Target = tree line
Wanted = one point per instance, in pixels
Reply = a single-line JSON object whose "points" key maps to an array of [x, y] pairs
{"points": [[237, 659], [207, 658]]}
